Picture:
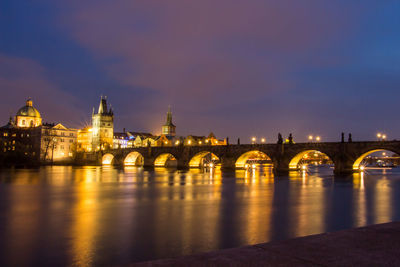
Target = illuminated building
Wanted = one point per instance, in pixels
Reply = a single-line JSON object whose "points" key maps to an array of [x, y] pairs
{"points": [[149, 141], [58, 143], [141, 139], [132, 139], [120, 140], [164, 140], [213, 141], [19, 145], [28, 116], [168, 129], [103, 126], [84, 139], [20, 139]]}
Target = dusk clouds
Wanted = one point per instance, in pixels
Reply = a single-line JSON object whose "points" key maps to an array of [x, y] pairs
{"points": [[238, 68], [22, 78], [204, 50]]}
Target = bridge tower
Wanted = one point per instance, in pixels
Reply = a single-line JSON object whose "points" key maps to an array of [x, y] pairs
{"points": [[103, 126]]}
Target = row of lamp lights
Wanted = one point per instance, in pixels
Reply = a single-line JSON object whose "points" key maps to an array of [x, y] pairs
{"points": [[381, 136], [254, 140], [189, 142], [312, 138]]}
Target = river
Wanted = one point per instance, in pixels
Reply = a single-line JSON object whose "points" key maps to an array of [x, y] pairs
{"points": [[99, 216]]}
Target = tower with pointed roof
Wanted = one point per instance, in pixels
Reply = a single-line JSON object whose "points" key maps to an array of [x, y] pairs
{"points": [[103, 126], [168, 128]]}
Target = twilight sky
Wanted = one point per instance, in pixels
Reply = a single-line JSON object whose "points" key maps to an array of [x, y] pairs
{"points": [[237, 68]]}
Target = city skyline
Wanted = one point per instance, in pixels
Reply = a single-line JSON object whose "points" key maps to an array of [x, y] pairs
{"points": [[265, 68]]}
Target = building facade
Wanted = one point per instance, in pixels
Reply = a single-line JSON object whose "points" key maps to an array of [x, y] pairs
{"points": [[58, 143], [26, 139], [120, 140], [211, 140], [19, 145], [84, 139], [102, 126], [20, 138]]}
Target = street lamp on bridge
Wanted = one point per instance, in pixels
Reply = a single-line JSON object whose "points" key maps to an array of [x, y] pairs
{"points": [[316, 138], [381, 136]]}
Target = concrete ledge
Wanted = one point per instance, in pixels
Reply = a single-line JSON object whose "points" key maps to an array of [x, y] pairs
{"points": [[375, 245]]}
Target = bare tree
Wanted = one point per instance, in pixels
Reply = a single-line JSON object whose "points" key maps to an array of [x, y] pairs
{"points": [[50, 143]]}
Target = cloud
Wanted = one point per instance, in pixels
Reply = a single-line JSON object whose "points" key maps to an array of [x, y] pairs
{"points": [[200, 52], [21, 78]]}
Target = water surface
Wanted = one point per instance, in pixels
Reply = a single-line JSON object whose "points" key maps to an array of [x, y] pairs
{"points": [[56, 216]]}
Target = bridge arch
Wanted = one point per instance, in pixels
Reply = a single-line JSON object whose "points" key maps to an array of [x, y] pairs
{"points": [[296, 160], [134, 159], [165, 160], [255, 156], [201, 158], [357, 165], [107, 159]]}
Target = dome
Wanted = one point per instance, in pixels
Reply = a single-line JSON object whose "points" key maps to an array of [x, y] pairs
{"points": [[28, 110]]}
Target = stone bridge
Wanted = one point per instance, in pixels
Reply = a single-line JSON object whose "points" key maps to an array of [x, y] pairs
{"points": [[346, 157]]}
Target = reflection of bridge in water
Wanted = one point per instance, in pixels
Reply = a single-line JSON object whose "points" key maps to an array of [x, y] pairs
{"points": [[346, 157]]}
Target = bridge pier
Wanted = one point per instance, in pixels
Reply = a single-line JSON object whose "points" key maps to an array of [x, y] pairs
{"points": [[182, 164], [281, 171], [148, 162], [228, 163], [118, 161], [343, 165], [343, 169], [281, 166], [343, 172]]}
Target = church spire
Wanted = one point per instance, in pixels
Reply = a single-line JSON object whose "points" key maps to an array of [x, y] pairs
{"points": [[103, 105], [169, 116], [169, 128]]}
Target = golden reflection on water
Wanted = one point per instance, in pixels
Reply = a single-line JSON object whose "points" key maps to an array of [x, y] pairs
{"points": [[307, 194], [22, 177], [380, 196], [185, 196], [360, 199], [383, 200], [130, 174], [258, 210], [85, 218], [259, 175]]}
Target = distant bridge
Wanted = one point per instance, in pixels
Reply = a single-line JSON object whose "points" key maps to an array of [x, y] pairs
{"points": [[346, 157]]}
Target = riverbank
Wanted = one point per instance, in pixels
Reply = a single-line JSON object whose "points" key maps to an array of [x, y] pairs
{"points": [[375, 245]]}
